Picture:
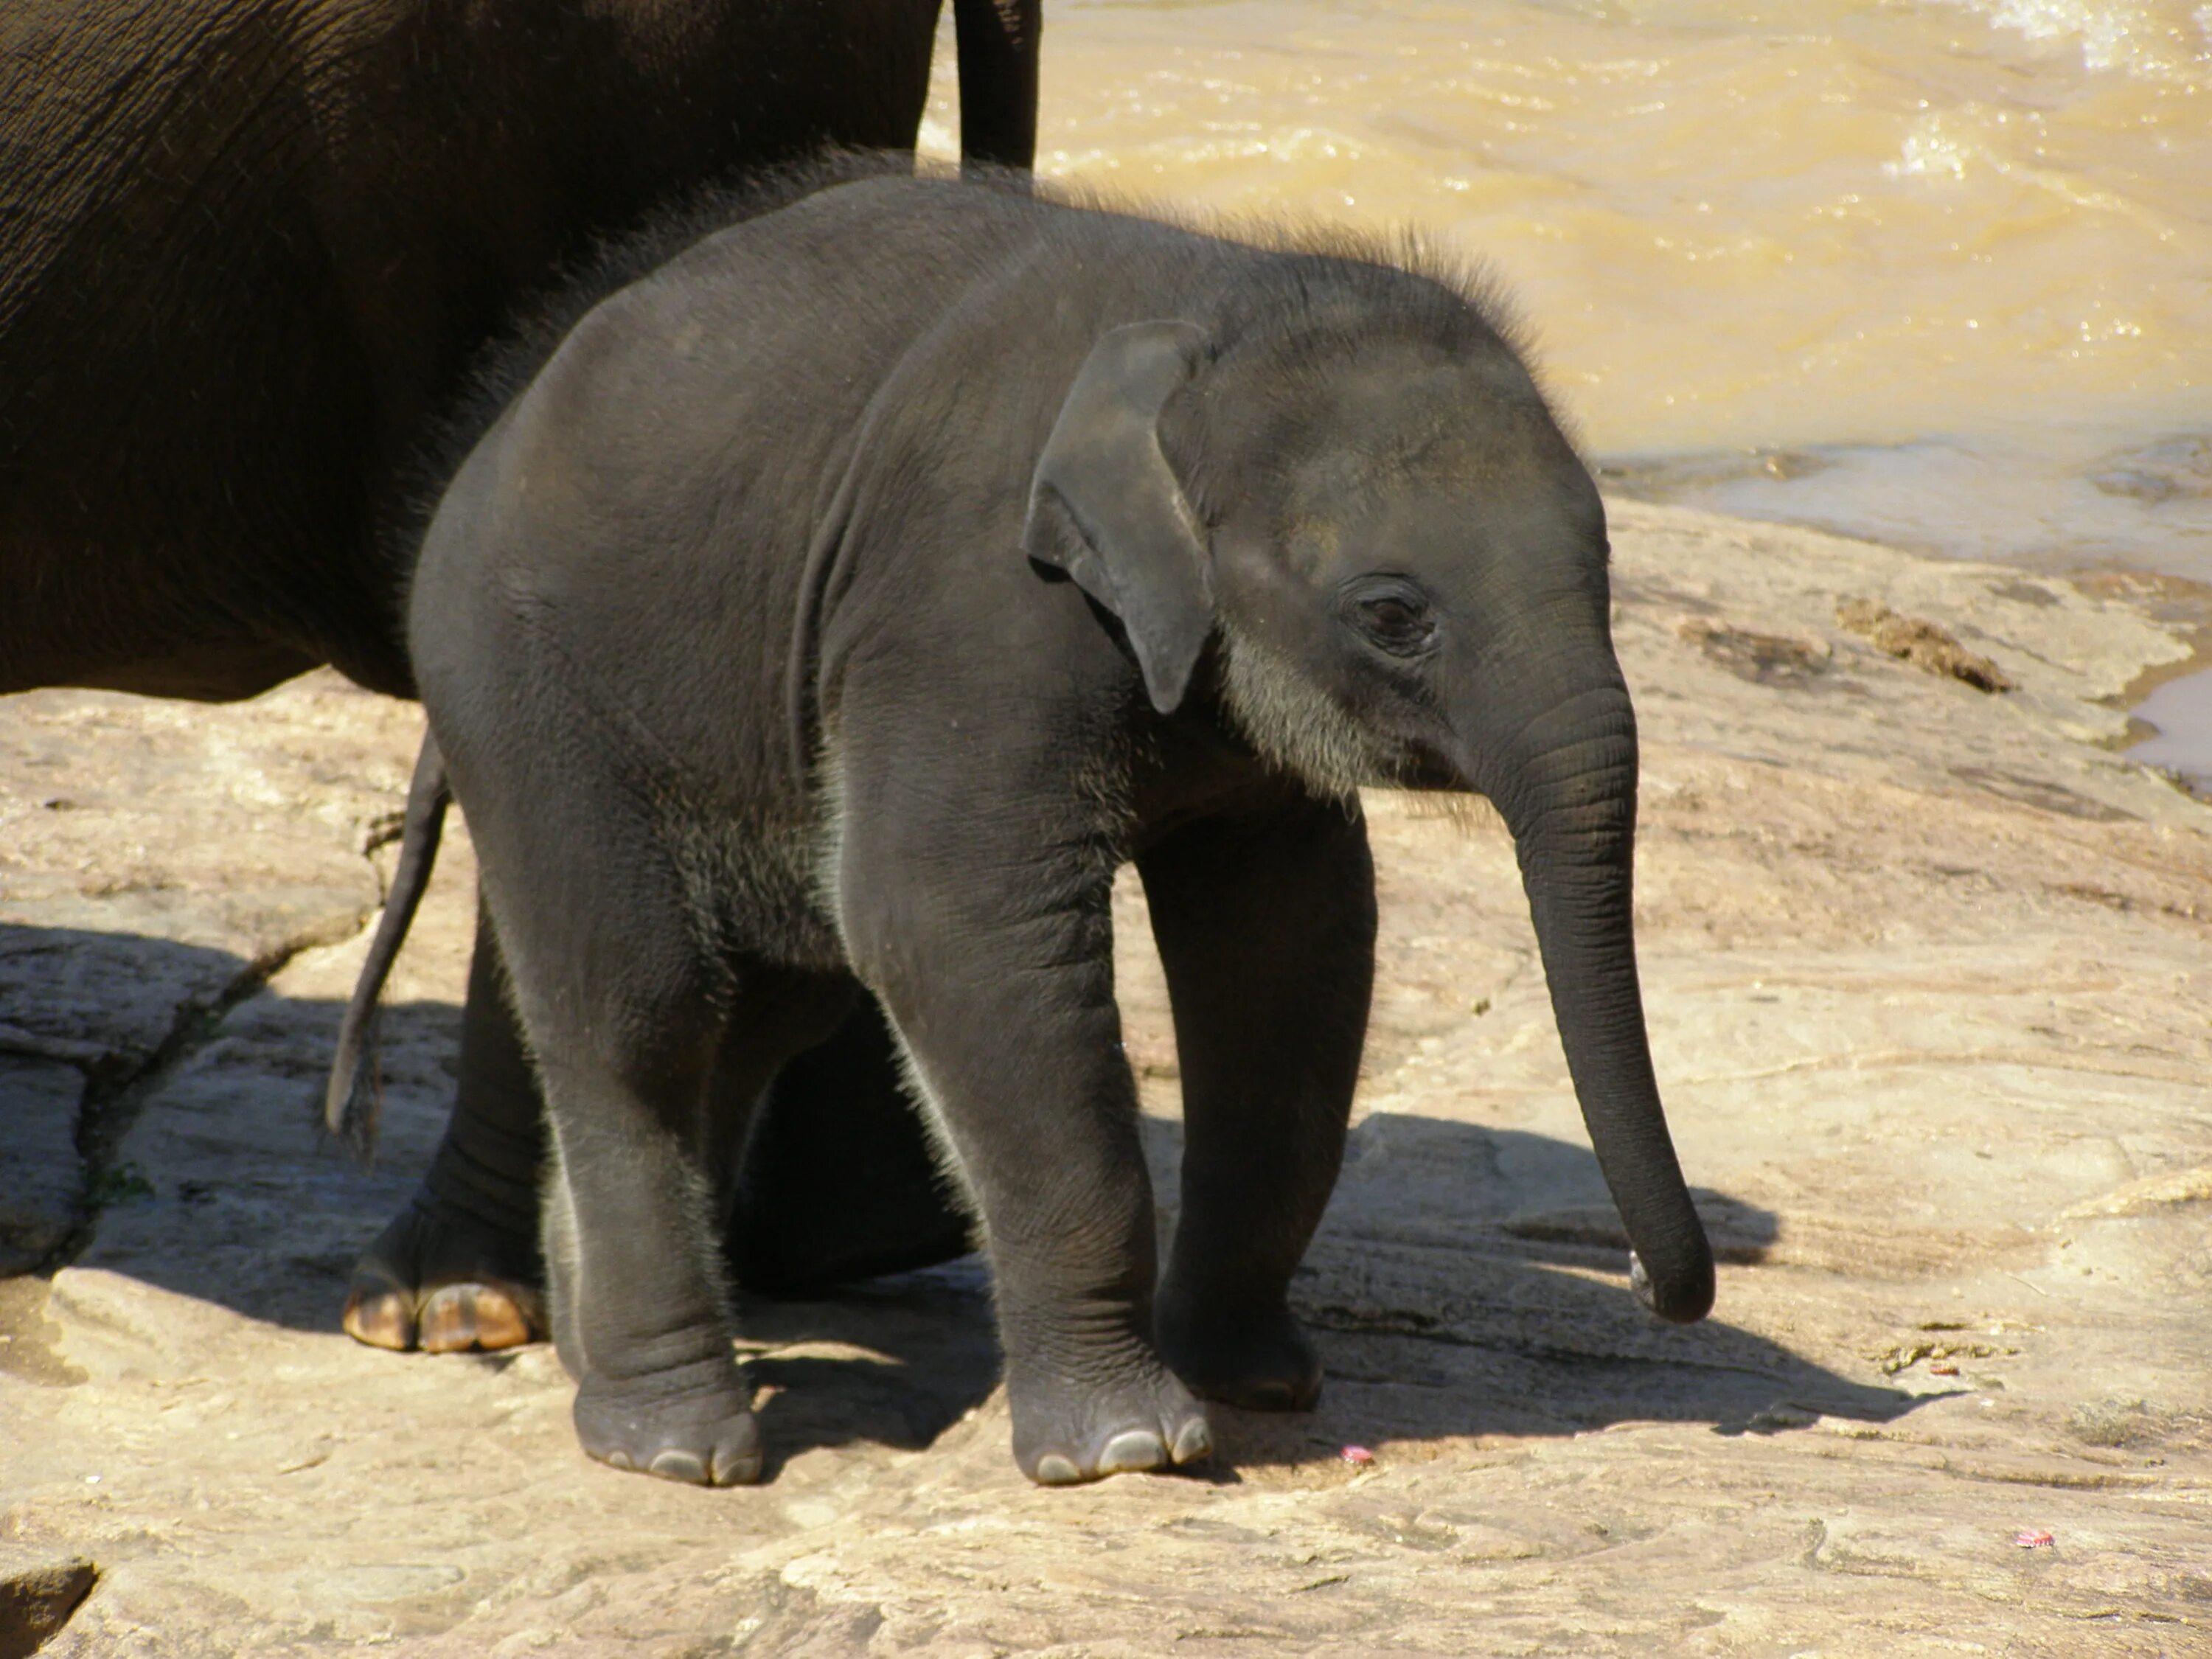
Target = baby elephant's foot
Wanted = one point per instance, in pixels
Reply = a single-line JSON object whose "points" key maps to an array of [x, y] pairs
{"points": [[704, 1435], [1066, 1431], [1261, 1362], [445, 1284]]}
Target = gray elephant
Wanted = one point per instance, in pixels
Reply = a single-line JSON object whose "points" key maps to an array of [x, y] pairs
{"points": [[797, 635], [252, 251]]}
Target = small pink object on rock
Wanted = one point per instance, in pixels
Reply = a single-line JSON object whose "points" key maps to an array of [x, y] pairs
{"points": [[2033, 1538], [1356, 1455]]}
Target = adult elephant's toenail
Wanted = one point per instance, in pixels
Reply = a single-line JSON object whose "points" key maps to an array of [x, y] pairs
{"points": [[500, 1322], [1053, 1470], [380, 1322], [449, 1323]]}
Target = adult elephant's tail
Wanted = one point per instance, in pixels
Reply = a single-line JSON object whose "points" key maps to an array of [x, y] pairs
{"points": [[353, 1099]]}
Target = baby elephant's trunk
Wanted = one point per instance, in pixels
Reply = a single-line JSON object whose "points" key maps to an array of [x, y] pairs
{"points": [[1569, 797], [353, 1099]]}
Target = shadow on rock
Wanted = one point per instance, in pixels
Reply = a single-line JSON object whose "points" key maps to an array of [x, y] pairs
{"points": [[896, 1361], [1471, 1280], [1467, 1280]]}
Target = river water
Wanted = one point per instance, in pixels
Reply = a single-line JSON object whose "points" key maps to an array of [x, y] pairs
{"points": [[1937, 271]]}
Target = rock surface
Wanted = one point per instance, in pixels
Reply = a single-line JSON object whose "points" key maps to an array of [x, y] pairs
{"points": [[1927, 971]]}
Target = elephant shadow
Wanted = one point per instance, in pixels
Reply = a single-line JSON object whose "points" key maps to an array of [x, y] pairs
{"points": [[1467, 1280], [1470, 1281], [894, 1361]]}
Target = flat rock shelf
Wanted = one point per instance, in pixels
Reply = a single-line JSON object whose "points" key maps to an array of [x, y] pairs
{"points": [[1927, 968]]}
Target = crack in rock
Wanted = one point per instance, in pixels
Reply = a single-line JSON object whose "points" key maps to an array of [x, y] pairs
{"points": [[112, 1102]]}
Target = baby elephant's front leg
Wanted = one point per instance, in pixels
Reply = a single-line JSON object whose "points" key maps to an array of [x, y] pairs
{"points": [[1267, 932], [1002, 990]]}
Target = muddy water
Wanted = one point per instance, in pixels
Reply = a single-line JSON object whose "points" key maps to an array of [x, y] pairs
{"points": [[1937, 270]]}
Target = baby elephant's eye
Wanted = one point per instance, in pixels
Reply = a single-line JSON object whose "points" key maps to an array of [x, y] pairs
{"points": [[1394, 617], [1391, 615]]}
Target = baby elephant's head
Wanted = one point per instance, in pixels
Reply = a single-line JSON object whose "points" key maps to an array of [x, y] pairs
{"points": [[1364, 501], [1375, 516]]}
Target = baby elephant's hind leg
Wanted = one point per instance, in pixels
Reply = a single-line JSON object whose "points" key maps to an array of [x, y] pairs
{"points": [[627, 1019], [640, 1312], [1266, 933], [645, 1125]]}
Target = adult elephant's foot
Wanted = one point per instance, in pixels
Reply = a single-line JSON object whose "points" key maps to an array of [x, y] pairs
{"points": [[696, 1428], [458, 1267], [1260, 1360], [1137, 1418], [446, 1283]]}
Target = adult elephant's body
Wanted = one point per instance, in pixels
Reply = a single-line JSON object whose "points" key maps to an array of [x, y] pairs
{"points": [[251, 249], [252, 246]]}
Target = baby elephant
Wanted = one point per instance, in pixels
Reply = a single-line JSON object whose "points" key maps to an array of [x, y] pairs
{"points": [[839, 606]]}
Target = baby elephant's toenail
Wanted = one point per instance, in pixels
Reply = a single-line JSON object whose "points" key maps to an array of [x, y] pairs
{"points": [[736, 1469], [1194, 1442], [1133, 1448], [1053, 1470], [676, 1464]]}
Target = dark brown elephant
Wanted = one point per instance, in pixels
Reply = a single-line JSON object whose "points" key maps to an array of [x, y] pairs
{"points": [[251, 249]]}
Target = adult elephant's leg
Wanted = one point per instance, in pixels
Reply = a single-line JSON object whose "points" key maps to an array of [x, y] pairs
{"points": [[997, 42], [1266, 933], [839, 1181], [458, 1267], [997, 972]]}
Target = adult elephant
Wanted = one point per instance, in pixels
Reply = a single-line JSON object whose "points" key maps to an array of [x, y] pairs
{"points": [[252, 247]]}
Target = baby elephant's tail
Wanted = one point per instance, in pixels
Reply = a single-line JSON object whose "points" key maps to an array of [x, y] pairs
{"points": [[354, 1097]]}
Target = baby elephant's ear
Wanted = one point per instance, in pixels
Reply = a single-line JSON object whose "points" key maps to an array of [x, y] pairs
{"points": [[1106, 507]]}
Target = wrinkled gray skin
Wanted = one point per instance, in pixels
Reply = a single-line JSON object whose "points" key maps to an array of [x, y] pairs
{"points": [[252, 249], [799, 630]]}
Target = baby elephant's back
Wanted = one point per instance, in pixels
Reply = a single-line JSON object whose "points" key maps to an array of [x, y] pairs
{"points": [[746, 362], [787, 325], [658, 483]]}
